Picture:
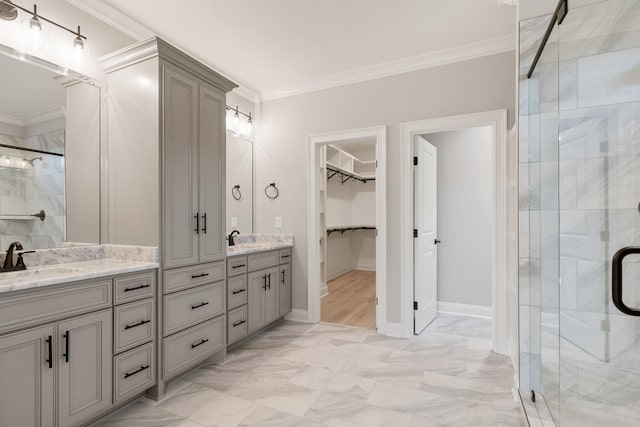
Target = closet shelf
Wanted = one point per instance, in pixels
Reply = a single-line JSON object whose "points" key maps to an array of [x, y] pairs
{"points": [[342, 230]]}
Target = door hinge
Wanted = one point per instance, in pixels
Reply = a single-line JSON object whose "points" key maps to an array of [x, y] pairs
{"points": [[376, 300], [376, 164], [376, 232], [415, 161], [415, 233], [415, 305]]}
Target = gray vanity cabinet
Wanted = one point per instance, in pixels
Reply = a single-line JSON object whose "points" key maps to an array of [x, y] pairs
{"points": [[84, 367], [263, 307], [284, 280], [194, 170], [27, 386]]}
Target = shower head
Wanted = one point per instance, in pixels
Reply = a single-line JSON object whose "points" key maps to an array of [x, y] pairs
{"points": [[8, 11], [32, 161]]}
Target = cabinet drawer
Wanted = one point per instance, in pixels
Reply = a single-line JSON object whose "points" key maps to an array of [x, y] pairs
{"points": [[133, 372], [132, 288], [263, 260], [134, 324], [188, 277], [41, 306], [184, 349], [192, 306], [237, 291], [236, 265], [237, 324], [285, 255]]}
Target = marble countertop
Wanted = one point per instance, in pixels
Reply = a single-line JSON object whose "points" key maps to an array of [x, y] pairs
{"points": [[249, 248], [251, 243], [37, 277]]}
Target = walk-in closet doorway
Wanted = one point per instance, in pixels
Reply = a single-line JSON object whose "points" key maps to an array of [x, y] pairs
{"points": [[347, 219]]}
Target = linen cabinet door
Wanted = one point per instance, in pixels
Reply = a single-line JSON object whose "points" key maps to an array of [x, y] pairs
{"points": [[284, 279], [212, 166], [26, 378], [84, 383], [272, 295], [181, 219], [257, 288]]}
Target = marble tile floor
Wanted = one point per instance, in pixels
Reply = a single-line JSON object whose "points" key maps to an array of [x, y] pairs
{"points": [[298, 374]]}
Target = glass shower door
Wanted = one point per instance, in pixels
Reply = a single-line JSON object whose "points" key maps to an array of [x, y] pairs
{"points": [[599, 196]]}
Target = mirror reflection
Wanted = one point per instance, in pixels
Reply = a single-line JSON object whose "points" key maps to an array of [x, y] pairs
{"points": [[49, 157], [240, 171]]}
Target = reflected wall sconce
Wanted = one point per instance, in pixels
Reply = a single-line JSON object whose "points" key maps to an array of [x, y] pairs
{"points": [[271, 191], [236, 125], [35, 31], [235, 192]]}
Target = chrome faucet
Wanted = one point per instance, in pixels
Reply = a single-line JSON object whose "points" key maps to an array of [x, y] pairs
{"points": [[8, 260], [231, 241]]}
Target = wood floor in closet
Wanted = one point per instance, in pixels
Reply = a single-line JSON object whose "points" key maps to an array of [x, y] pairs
{"points": [[351, 300]]}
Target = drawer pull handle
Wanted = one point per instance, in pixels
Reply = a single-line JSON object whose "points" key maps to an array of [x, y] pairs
{"points": [[197, 276], [50, 351], [137, 371], [239, 266], [135, 325], [239, 323], [285, 256], [239, 291], [199, 344], [136, 288], [202, 304]]}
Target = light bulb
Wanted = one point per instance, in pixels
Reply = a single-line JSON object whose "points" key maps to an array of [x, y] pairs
{"points": [[235, 124], [34, 24], [7, 160], [229, 118], [78, 43], [247, 129]]}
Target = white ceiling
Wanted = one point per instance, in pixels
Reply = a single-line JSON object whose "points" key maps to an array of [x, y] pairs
{"points": [[270, 46], [28, 90]]}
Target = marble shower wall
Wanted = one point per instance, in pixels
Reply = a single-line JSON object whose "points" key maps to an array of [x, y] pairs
{"points": [[27, 191]]}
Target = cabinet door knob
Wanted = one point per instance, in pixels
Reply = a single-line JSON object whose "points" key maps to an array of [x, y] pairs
{"points": [[204, 223], [197, 217]]}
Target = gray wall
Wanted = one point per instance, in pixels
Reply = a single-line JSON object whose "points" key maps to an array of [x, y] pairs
{"points": [[481, 84], [465, 215]]}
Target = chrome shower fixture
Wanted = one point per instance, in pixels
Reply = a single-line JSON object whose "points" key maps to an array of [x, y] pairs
{"points": [[32, 161]]}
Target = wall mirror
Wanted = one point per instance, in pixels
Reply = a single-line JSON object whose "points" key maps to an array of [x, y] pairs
{"points": [[49, 154], [240, 184]]}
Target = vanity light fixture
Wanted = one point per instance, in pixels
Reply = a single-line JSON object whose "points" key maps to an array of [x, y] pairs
{"points": [[35, 27], [234, 125]]}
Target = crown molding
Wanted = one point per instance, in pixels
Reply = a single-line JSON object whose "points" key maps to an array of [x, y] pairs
{"points": [[11, 120], [42, 116], [108, 14], [405, 65]]}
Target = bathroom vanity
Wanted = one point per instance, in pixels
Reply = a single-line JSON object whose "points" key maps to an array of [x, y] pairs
{"points": [[76, 339]]}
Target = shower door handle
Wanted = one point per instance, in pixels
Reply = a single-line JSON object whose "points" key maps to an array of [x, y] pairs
{"points": [[616, 279]]}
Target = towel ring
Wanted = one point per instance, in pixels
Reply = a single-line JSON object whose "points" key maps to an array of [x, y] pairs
{"points": [[271, 191], [235, 192]]}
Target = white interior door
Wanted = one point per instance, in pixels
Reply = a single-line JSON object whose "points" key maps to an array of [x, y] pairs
{"points": [[425, 282]]}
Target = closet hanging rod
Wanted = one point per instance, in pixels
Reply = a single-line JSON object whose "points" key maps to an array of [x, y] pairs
{"points": [[558, 16], [344, 176], [343, 230]]}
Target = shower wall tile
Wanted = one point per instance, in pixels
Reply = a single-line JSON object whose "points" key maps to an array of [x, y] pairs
{"points": [[549, 182], [534, 186], [523, 191], [525, 328], [531, 34], [523, 140], [549, 264], [523, 242], [523, 90], [568, 283], [534, 282], [604, 27], [567, 172], [548, 137], [609, 78], [568, 84], [535, 236], [534, 138], [523, 280]]}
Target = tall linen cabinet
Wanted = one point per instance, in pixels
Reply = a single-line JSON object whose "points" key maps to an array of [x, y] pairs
{"points": [[166, 187]]}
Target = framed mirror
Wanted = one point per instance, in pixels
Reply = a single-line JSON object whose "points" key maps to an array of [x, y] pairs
{"points": [[240, 184], [49, 154]]}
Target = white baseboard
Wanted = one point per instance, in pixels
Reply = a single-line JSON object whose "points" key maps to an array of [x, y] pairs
{"points": [[465, 309], [366, 267], [324, 290], [298, 315]]}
